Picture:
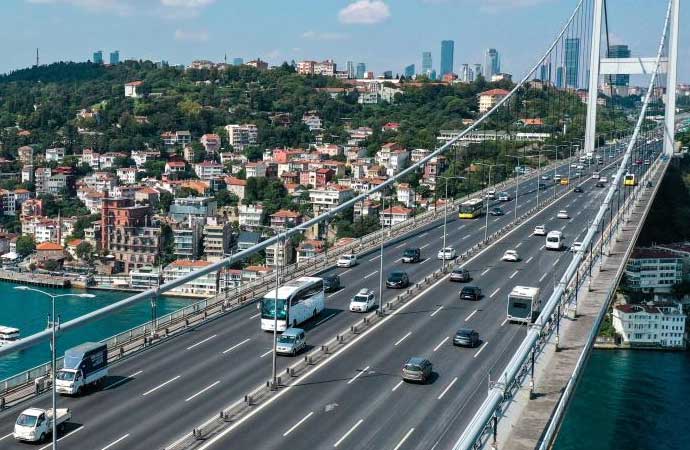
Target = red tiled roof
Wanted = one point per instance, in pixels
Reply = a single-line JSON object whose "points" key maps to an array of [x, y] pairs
{"points": [[49, 246], [188, 263], [495, 92]]}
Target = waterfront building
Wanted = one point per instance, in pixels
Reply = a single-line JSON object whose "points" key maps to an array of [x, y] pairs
{"points": [[203, 286], [645, 325], [653, 270]]}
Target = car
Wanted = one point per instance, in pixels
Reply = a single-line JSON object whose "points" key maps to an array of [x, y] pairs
{"points": [[564, 181], [576, 247], [646, 162], [563, 214], [459, 274], [363, 301], [638, 162], [573, 166], [578, 174], [347, 260], [580, 167], [504, 197], [491, 194], [511, 256], [603, 180], [466, 337], [599, 184], [496, 211], [539, 230], [545, 177], [470, 293], [397, 279], [446, 253], [542, 186], [578, 190], [331, 282], [417, 369], [412, 255], [291, 342], [557, 178]]}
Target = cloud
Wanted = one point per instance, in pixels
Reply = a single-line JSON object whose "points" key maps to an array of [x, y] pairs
{"points": [[192, 35], [325, 36], [364, 12]]}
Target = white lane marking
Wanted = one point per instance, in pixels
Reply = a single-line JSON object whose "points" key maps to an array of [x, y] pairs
{"points": [[447, 388], [59, 439], [494, 293], [402, 441], [402, 338], [398, 260], [441, 343], [305, 418], [348, 270], [482, 227], [513, 274], [541, 248], [115, 442], [471, 314], [556, 261], [401, 245], [358, 375], [504, 322], [201, 342], [267, 353], [236, 345], [427, 259], [518, 245], [529, 259], [160, 386], [117, 383], [210, 386], [424, 246], [484, 273], [335, 293], [436, 312], [374, 258], [10, 434], [323, 320], [461, 227], [481, 348], [466, 237], [354, 427], [371, 274], [424, 234], [255, 316], [392, 390]]}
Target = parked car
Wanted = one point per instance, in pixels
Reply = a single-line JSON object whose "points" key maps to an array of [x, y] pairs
{"points": [[496, 211], [511, 256], [397, 279], [412, 255], [348, 260], [563, 214], [539, 230], [417, 369], [578, 190], [446, 253], [576, 247], [291, 342], [363, 301], [466, 337], [331, 282], [470, 293], [459, 274]]}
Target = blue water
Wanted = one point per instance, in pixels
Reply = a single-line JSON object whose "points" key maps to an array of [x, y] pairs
{"points": [[630, 400], [29, 311]]}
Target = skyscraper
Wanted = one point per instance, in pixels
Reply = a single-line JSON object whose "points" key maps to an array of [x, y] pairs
{"points": [[447, 51], [426, 63], [559, 77], [98, 57], [237, 61], [545, 72], [409, 71], [361, 68], [572, 62], [492, 65], [619, 51], [465, 73], [115, 57], [350, 69], [477, 70]]}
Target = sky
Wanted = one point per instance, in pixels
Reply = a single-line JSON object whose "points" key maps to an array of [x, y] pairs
{"points": [[384, 34]]}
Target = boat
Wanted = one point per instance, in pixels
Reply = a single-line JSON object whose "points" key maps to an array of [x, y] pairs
{"points": [[8, 335]]}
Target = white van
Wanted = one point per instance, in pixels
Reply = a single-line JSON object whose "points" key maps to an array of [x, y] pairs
{"points": [[554, 240]]}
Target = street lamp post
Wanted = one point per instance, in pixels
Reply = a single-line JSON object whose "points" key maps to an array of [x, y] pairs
{"points": [[517, 181], [445, 217], [53, 340], [486, 197], [383, 210]]}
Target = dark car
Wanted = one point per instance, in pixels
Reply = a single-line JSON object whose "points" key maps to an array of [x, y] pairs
{"points": [[496, 211], [458, 274], [470, 293], [599, 184], [331, 283], [397, 279], [542, 186], [412, 255], [466, 338], [417, 369], [578, 190]]}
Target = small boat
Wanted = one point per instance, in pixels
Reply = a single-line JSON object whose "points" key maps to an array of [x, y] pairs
{"points": [[8, 335]]}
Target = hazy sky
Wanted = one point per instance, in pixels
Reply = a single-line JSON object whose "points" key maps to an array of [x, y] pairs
{"points": [[385, 34]]}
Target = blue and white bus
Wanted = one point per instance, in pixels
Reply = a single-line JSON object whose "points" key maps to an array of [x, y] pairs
{"points": [[298, 300]]}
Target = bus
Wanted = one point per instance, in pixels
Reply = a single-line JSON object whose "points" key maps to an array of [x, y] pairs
{"points": [[298, 300], [629, 179], [524, 304], [472, 208]]}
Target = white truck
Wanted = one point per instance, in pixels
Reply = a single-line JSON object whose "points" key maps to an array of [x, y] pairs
{"points": [[36, 424], [84, 365], [524, 304]]}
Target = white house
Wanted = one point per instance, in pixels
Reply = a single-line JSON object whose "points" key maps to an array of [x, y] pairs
{"points": [[250, 215], [133, 89], [204, 286], [208, 170], [394, 215], [650, 325]]}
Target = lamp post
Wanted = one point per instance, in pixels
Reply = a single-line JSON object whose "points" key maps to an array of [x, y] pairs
{"points": [[53, 339], [539, 172], [445, 216], [517, 181], [486, 197], [383, 211]]}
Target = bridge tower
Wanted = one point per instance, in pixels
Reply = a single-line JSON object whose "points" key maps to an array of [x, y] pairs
{"points": [[633, 66]]}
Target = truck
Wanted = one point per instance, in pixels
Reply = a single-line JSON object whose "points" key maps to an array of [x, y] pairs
{"points": [[36, 424], [84, 365], [524, 304]]}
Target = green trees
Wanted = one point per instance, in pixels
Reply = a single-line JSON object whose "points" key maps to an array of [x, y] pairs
{"points": [[84, 251], [25, 245]]}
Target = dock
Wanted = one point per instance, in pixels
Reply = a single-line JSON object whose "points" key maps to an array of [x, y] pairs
{"points": [[35, 279]]}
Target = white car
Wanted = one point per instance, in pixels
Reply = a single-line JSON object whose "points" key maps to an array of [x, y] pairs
{"points": [[545, 177], [603, 180], [563, 214], [573, 165], [446, 253], [363, 301], [576, 247], [348, 260], [539, 230], [491, 195], [511, 255], [580, 167], [504, 197]]}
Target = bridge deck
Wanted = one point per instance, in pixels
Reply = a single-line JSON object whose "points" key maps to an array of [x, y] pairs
{"points": [[528, 425]]}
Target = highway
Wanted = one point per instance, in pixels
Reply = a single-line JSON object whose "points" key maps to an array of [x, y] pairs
{"points": [[158, 395]]}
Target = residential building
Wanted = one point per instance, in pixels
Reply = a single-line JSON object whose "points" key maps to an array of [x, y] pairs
{"points": [[55, 154], [134, 89], [394, 215], [49, 251], [393, 157], [327, 198], [419, 154], [236, 186], [258, 64], [172, 167], [645, 325], [195, 207], [366, 208], [250, 216], [247, 239], [217, 240], [255, 169], [489, 99], [145, 277], [280, 254], [308, 249], [492, 64], [211, 143], [653, 270], [127, 175], [203, 286], [313, 121], [405, 194], [181, 138], [208, 170], [32, 207], [187, 239], [285, 219], [241, 136], [25, 153], [447, 53], [27, 173]]}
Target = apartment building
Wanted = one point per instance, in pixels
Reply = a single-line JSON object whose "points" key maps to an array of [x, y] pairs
{"points": [[329, 197], [650, 324], [653, 270], [394, 215], [208, 170], [241, 136], [217, 240], [250, 216], [195, 207], [203, 286]]}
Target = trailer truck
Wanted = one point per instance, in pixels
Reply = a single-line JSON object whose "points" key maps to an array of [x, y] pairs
{"points": [[84, 365]]}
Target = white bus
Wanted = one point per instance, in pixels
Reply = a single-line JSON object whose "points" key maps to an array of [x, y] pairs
{"points": [[298, 300], [524, 304]]}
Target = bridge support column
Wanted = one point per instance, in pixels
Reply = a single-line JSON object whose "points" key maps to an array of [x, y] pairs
{"points": [[593, 88], [671, 79]]}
